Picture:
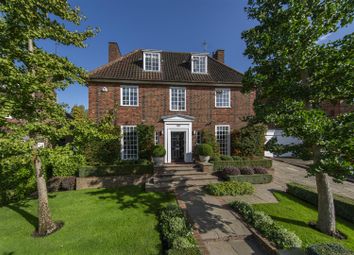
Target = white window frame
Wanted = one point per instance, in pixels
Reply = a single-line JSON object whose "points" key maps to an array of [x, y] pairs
{"points": [[122, 143], [199, 57], [229, 101], [129, 101], [228, 137], [185, 100], [158, 57]]}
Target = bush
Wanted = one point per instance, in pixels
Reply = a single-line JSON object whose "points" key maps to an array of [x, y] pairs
{"points": [[327, 249], [204, 149], [226, 157], [158, 151], [249, 141], [124, 168], [146, 140], [281, 237], [183, 242], [237, 158], [260, 170], [208, 137], [344, 207], [246, 171], [230, 171], [220, 165], [229, 188], [254, 179], [184, 251]]}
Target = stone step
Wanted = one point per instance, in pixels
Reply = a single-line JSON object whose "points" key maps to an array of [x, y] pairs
{"points": [[183, 178], [180, 173], [171, 186]]}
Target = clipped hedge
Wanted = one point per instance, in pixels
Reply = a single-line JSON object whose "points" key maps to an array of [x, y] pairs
{"points": [[344, 206], [328, 249], [116, 170], [229, 188], [280, 236], [254, 179], [220, 165]]}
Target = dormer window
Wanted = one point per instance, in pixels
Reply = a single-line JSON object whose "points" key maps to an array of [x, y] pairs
{"points": [[199, 64], [152, 61]]}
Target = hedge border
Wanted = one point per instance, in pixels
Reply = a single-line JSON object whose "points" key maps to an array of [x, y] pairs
{"points": [[220, 165], [343, 206], [116, 170], [254, 178]]}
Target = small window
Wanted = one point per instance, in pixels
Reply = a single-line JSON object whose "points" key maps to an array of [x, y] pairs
{"points": [[199, 137], [177, 99], [199, 64], [222, 98], [152, 61], [129, 143], [157, 138], [222, 134], [129, 96]]}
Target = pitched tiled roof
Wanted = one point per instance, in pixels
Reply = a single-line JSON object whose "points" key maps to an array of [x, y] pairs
{"points": [[175, 67]]}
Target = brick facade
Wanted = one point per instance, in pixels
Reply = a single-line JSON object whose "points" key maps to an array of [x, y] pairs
{"points": [[154, 103]]}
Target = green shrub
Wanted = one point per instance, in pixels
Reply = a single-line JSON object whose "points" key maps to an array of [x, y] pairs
{"points": [[183, 242], [220, 165], [158, 151], [249, 141], [204, 149], [344, 206], [281, 237], [208, 137], [229, 188], [327, 249], [254, 179], [146, 140], [184, 251], [124, 168], [226, 158]]}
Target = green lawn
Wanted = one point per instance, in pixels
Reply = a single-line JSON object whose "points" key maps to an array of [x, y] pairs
{"points": [[99, 221], [295, 214]]}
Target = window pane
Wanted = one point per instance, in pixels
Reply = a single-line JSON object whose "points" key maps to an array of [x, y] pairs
{"points": [[222, 97], [130, 143], [178, 99], [223, 139], [130, 95], [151, 61]]}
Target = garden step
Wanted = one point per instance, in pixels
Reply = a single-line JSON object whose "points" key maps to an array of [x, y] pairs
{"points": [[184, 178], [180, 173], [171, 186]]}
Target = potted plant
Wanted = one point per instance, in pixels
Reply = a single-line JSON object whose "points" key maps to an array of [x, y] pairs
{"points": [[204, 152], [158, 154]]}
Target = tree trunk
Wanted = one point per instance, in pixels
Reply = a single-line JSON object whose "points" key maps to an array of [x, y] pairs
{"points": [[45, 223], [326, 221]]}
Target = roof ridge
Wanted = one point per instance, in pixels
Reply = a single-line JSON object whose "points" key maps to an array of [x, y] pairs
{"points": [[229, 67], [113, 62]]}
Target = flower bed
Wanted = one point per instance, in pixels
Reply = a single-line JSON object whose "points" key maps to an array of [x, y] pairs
{"points": [[229, 188], [254, 175], [176, 233], [281, 237]]}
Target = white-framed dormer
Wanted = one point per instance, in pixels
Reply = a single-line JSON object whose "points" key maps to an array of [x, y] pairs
{"points": [[152, 60], [178, 97], [129, 95], [199, 63], [222, 97]]}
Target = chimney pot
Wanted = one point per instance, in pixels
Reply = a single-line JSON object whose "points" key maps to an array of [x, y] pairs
{"points": [[113, 51], [219, 55]]}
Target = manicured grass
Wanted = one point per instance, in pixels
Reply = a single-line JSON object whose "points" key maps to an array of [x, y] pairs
{"points": [[99, 221], [295, 215]]}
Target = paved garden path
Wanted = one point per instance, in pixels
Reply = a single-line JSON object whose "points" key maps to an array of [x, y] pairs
{"points": [[283, 174], [219, 228]]}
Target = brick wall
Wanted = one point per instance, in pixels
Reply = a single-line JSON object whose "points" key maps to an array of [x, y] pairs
{"points": [[154, 103]]}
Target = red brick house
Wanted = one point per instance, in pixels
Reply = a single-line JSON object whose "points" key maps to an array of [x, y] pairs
{"points": [[179, 93]]}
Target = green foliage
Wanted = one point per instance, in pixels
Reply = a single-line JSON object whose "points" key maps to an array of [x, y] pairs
{"points": [[175, 231], [158, 151], [146, 140], [254, 179], [328, 249], [249, 141], [226, 157], [220, 165], [204, 149], [123, 168], [62, 161], [208, 137], [184, 251], [230, 188], [344, 206], [79, 112], [281, 237]]}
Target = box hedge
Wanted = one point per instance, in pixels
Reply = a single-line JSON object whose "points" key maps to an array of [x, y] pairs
{"points": [[229, 188], [344, 206], [220, 165], [116, 170], [254, 179], [327, 249]]}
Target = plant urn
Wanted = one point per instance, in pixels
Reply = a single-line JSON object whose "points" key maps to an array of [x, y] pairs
{"points": [[158, 161], [204, 159]]}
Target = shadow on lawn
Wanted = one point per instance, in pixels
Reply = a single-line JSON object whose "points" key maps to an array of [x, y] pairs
{"points": [[19, 208], [134, 197]]}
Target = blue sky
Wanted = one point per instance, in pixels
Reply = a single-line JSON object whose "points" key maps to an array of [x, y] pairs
{"points": [[175, 25]]}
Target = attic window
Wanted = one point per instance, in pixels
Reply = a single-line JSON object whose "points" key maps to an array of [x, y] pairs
{"points": [[152, 61], [199, 64]]}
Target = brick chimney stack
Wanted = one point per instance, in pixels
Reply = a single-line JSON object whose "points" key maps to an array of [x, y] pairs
{"points": [[219, 55], [113, 51]]}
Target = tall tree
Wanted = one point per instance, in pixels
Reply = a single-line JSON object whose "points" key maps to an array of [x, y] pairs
{"points": [[295, 74], [29, 77]]}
